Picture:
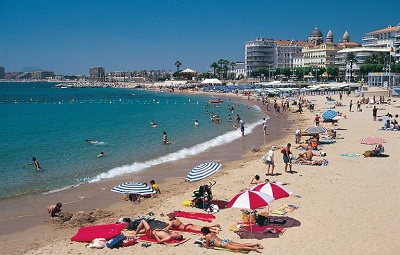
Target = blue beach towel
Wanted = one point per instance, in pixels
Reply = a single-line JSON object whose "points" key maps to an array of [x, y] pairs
{"points": [[351, 155], [324, 163]]}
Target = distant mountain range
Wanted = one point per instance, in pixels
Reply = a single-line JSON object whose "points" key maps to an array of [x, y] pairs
{"points": [[31, 69]]}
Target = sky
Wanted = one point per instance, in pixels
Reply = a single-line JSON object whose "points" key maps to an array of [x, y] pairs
{"points": [[70, 36]]}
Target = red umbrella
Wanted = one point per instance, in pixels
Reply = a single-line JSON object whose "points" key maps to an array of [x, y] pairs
{"points": [[372, 140], [274, 190], [250, 200]]}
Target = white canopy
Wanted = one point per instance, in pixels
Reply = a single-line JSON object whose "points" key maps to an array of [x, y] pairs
{"points": [[188, 70], [211, 81]]}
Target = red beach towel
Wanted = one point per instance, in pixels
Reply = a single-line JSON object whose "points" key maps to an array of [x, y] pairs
{"points": [[197, 216]]}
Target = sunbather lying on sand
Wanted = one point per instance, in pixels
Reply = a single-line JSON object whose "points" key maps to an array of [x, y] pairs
{"points": [[308, 154], [212, 240], [158, 234], [178, 225], [310, 162]]}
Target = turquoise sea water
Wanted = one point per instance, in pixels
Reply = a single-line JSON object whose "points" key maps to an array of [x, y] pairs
{"points": [[53, 125]]}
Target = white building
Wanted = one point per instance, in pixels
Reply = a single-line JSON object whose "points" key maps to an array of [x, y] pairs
{"points": [[259, 53]]}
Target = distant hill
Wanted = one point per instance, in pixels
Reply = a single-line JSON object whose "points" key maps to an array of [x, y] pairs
{"points": [[31, 69]]}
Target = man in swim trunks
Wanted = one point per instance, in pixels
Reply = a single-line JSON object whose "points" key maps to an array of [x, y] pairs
{"points": [[34, 162], [178, 225], [160, 235]]}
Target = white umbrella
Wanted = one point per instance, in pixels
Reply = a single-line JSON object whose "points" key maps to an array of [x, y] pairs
{"points": [[133, 188], [250, 200], [203, 171]]}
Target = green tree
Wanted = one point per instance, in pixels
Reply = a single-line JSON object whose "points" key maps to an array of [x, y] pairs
{"points": [[332, 71], [214, 66], [177, 64]]}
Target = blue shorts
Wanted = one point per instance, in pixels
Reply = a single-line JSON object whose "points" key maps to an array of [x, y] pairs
{"points": [[285, 159], [269, 162]]}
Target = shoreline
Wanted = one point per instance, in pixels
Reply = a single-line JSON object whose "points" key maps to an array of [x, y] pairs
{"points": [[345, 195], [80, 198]]}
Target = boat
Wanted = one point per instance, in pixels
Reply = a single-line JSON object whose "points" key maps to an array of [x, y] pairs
{"points": [[215, 101]]}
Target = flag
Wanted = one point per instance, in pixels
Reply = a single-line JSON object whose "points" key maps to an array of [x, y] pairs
{"points": [[392, 51]]}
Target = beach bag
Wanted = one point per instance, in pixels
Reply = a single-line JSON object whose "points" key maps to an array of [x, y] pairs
{"points": [[112, 243], [264, 158], [367, 154], [97, 243]]}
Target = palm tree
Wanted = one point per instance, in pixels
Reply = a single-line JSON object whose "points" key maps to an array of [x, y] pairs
{"points": [[177, 64], [214, 66], [351, 57]]}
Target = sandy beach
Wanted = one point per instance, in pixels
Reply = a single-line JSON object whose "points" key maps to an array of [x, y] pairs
{"points": [[350, 206]]}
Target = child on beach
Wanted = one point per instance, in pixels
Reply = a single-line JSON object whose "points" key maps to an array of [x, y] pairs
{"points": [[155, 187], [270, 160], [54, 210]]}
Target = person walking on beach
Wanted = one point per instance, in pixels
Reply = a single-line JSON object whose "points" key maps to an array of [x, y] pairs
{"points": [[241, 124], [317, 119], [270, 160], [34, 162], [374, 112], [287, 157], [350, 104], [264, 126]]}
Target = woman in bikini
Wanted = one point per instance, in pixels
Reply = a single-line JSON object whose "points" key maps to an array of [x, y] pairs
{"points": [[212, 240], [176, 224]]}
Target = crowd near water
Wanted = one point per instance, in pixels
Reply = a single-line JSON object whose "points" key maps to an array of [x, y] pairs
{"points": [[88, 134]]}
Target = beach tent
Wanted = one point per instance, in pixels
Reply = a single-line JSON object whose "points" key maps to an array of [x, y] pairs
{"points": [[211, 81], [188, 70]]}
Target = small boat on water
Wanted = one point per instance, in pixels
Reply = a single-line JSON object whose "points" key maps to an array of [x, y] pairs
{"points": [[215, 101]]}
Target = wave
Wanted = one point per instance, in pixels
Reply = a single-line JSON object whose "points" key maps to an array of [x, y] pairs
{"points": [[183, 153]]}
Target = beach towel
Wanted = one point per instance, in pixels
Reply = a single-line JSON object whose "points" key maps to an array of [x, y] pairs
{"points": [[351, 155], [89, 233], [171, 243], [324, 163], [247, 234], [284, 209], [263, 229], [197, 216]]}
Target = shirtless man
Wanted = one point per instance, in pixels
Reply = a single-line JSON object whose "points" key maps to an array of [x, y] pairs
{"points": [[34, 162], [308, 154], [160, 235], [178, 225]]}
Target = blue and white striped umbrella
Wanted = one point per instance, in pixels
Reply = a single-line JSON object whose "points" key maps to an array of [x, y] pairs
{"points": [[316, 130], [133, 188], [329, 114], [202, 171]]}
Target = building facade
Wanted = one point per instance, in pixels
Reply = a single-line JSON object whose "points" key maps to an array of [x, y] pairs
{"points": [[97, 73], [287, 51], [259, 53], [386, 38]]}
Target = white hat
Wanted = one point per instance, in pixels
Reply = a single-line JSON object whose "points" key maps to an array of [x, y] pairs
{"points": [[273, 147]]}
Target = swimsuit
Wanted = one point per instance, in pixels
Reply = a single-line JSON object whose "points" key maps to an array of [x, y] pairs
{"points": [[149, 234], [224, 241], [187, 225], [212, 242]]}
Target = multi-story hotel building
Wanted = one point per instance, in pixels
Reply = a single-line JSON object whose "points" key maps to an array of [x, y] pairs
{"points": [[287, 51], [259, 53], [386, 38], [97, 73], [2, 73]]}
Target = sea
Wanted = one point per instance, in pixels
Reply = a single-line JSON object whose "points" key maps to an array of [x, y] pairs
{"points": [[53, 124]]}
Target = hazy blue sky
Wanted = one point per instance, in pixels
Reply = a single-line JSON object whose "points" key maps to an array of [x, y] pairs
{"points": [[68, 37]]}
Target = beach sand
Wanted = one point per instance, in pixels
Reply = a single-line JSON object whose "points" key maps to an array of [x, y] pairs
{"points": [[350, 206]]}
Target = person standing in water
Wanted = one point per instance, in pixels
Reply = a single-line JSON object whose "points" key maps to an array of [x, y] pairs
{"points": [[34, 162], [165, 138], [241, 124]]}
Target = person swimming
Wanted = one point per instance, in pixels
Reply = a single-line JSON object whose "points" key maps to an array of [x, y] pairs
{"points": [[196, 123], [153, 124], [34, 162]]}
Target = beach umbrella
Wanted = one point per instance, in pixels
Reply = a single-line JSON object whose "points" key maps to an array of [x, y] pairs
{"points": [[203, 171], [316, 130], [372, 140], [133, 188], [250, 200], [329, 114], [274, 190]]}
